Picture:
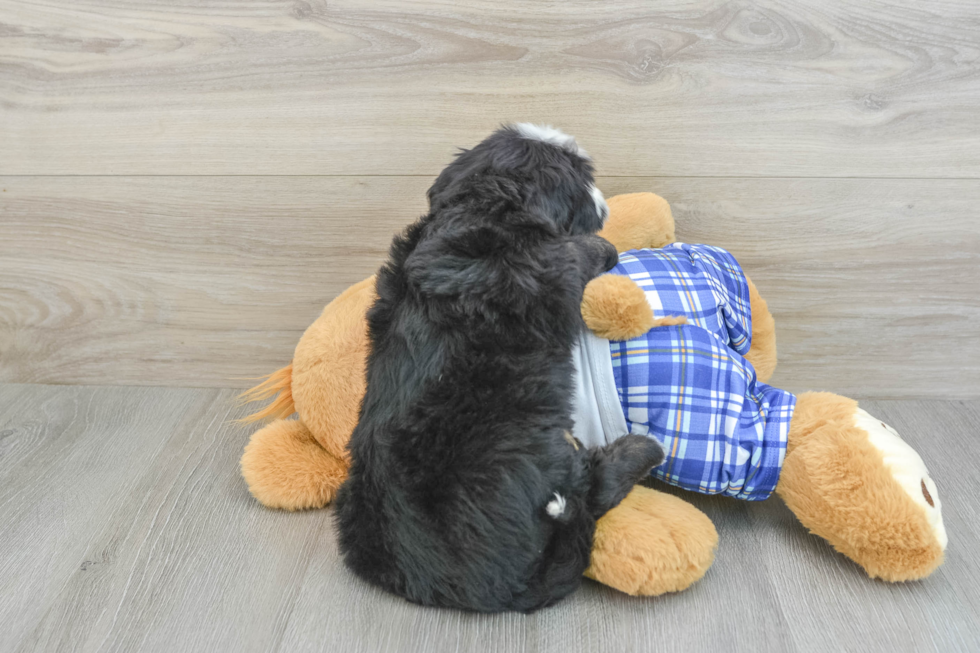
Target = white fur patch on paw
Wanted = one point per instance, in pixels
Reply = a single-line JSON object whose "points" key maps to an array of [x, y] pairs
{"points": [[556, 507], [549, 134], [907, 468]]}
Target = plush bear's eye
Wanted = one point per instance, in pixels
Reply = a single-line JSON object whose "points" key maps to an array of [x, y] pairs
{"points": [[926, 494]]}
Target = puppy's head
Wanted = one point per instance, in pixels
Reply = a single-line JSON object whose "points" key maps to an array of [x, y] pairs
{"points": [[544, 167]]}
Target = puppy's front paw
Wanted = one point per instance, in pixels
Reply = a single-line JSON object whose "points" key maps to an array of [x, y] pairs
{"points": [[639, 454], [611, 256], [618, 466], [595, 255]]}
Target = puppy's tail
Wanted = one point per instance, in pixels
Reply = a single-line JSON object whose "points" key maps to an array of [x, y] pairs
{"points": [[278, 384]]}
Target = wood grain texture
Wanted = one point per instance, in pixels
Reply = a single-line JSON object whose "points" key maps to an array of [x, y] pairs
{"points": [[127, 527], [677, 88], [125, 514], [203, 281]]}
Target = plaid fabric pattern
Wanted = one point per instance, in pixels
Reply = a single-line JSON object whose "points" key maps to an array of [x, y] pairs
{"points": [[690, 387]]}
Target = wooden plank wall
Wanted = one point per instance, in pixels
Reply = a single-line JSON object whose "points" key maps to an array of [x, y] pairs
{"points": [[185, 184]]}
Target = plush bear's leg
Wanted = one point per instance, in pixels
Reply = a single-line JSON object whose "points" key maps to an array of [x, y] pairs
{"points": [[285, 467], [652, 543], [850, 479]]}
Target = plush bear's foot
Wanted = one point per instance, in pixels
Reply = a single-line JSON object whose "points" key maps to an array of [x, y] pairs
{"points": [[285, 467], [652, 543], [852, 480]]}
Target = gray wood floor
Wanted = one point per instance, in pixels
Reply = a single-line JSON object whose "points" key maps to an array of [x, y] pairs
{"points": [[125, 526]]}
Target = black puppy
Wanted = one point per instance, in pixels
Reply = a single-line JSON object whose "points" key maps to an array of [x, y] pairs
{"points": [[466, 489]]}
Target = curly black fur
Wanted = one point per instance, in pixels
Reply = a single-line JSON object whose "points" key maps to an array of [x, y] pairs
{"points": [[461, 443]]}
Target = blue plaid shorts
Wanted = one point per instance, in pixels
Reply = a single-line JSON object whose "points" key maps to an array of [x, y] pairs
{"points": [[689, 385]]}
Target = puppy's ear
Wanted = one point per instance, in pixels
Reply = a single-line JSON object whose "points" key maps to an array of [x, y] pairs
{"points": [[617, 467], [477, 270], [590, 212]]}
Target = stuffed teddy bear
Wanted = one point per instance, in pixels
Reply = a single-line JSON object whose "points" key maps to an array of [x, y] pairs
{"points": [[680, 348]]}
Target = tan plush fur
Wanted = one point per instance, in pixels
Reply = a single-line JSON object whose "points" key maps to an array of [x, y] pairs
{"points": [[835, 481], [328, 368], [762, 353], [652, 543], [279, 384], [638, 220], [615, 308], [301, 464], [285, 467]]}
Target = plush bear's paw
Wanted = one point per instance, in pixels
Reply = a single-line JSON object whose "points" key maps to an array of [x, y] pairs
{"points": [[615, 308], [285, 467], [652, 543]]}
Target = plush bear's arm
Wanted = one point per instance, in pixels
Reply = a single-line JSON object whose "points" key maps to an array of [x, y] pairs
{"points": [[762, 354], [613, 306]]}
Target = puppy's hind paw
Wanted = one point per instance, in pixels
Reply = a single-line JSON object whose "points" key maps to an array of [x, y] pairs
{"points": [[556, 507]]}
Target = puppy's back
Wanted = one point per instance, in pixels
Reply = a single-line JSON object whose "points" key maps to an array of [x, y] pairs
{"points": [[463, 490], [445, 503]]}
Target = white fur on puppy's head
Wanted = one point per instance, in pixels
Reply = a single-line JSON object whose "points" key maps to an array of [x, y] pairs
{"points": [[549, 134], [600, 203]]}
